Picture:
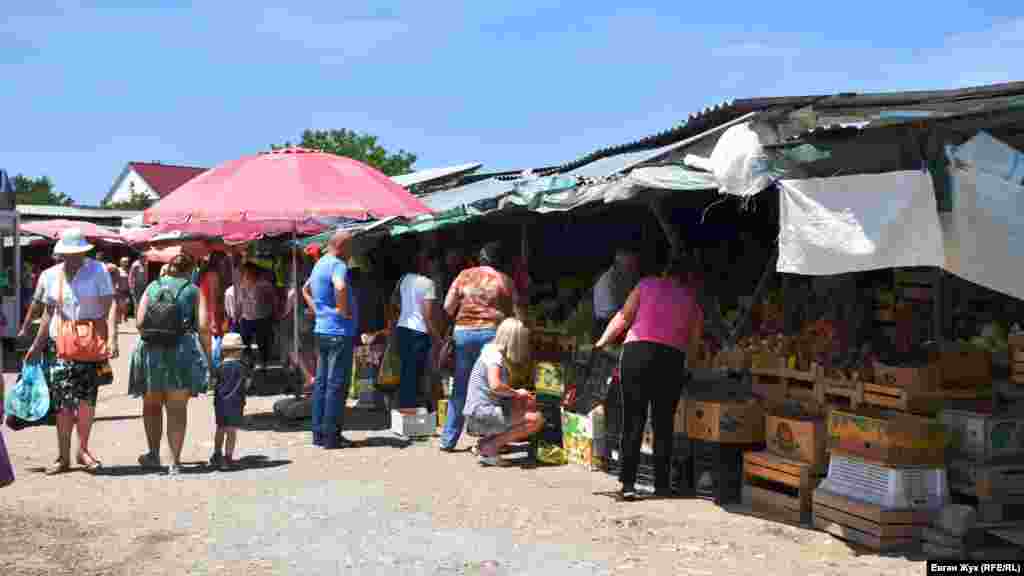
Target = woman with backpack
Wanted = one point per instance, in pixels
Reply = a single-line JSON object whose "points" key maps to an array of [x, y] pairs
{"points": [[168, 366]]}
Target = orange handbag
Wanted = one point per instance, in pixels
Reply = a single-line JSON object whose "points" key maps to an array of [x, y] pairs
{"points": [[78, 340]]}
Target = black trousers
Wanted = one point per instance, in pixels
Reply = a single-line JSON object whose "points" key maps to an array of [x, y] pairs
{"points": [[653, 375]]}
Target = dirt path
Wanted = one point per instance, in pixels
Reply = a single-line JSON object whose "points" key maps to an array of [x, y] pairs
{"points": [[377, 508]]}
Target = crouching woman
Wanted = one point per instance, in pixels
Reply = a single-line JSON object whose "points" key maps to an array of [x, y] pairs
{"points": [[494, 411]]}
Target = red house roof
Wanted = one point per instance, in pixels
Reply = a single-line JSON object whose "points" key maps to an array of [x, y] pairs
{"points": [[164, 178]]}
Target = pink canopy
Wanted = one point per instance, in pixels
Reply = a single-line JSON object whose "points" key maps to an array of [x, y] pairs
{"points": [[230, 232], [293, 185], [52, 229]]}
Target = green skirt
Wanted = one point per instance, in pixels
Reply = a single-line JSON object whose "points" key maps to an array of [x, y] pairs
{"points": [[157, 368]]}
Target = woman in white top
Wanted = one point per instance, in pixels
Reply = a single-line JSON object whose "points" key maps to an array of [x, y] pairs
{"points": [[417, 325], [79, 289]]}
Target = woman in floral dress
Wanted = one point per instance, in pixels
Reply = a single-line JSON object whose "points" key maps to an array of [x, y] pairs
{"points": [[166, 376]]}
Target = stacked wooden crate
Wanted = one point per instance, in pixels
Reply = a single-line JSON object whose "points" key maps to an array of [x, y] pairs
{"points": [[781, 478], [913, 389], [722, 427], [1017, 358], [886, 478]]}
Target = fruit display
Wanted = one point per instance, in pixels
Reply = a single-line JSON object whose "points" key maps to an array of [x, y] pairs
{"points": [[552, 455], [550, 379]]}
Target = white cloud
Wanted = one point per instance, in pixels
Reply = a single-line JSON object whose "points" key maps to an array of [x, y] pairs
{"points": [[986, 57], [335, 37]]}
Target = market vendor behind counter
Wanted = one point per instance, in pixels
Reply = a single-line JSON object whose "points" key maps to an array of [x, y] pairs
{"points": [[613, 288]]}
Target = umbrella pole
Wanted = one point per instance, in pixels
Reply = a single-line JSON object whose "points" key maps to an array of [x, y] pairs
{"points": [[295, 316]]}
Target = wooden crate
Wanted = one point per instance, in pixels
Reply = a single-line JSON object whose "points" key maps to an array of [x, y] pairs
{"points": [[801, 439], [780, 383], [888, 438], [868, 525], [854, 394], [839, 392], [779, 488], [1017, 358], [923, 402]]}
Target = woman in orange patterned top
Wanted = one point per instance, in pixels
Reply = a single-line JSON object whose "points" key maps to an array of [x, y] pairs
{"points": [[479, 299]]}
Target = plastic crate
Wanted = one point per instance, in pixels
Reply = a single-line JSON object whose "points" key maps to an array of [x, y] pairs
{"points": [[594, 377], [723, 463], [889, 488], [679, 472]]}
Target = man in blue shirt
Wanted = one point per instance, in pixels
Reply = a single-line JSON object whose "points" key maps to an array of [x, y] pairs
{"points": [[327, 293]]}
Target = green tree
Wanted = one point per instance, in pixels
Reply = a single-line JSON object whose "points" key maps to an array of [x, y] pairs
{"points": [[137, 201], [362, 147], [38, 191]]}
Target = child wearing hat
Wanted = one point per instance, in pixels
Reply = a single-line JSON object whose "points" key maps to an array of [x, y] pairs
{"points": [[229, 400]]}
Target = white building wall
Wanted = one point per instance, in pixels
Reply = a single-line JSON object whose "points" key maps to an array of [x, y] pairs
{"points": [[132, 182]]}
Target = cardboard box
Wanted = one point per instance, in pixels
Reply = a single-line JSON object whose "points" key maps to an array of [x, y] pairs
{"points": [[965, 367], [442, 412], [800, 439], [983, 437], [584, 438], [921, 378], [892, 438], [549, 379], [725, 421]]}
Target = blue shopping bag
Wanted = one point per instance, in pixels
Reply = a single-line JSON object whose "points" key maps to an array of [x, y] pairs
{"points": [[215, 343], [29, 399]]}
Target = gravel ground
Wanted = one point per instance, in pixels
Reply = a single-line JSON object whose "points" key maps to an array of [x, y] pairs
{"points": [[378, 508]]}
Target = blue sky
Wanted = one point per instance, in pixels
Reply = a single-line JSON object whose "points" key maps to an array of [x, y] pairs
{"points": [[510, 84]]}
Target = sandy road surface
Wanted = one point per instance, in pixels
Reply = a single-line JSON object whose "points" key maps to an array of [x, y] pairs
{"points": [[379, 508]]}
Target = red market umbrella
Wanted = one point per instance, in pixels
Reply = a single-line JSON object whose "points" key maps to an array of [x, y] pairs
{"points": [[294, 184], [230, 232], [52, 229]]}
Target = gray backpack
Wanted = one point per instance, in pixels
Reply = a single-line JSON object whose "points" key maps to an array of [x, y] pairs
{"points": [[163, 322]]}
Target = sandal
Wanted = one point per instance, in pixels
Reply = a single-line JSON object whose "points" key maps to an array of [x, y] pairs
{"points": [[91, 464], [149, 461], [58, 468], [490, 461]]}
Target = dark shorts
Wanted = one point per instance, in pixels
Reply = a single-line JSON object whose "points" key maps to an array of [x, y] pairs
{"points": [[489, 420], [229, 395], [71, 382]]}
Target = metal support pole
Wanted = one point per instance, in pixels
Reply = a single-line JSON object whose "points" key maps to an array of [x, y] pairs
{"points": [[295, 316], [658, 208], [744, 317]]}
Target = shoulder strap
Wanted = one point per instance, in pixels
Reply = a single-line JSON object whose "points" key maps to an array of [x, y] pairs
{"points": [[60, 295], [180, 290]]}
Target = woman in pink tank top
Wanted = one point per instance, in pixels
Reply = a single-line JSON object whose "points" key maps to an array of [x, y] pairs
{"points": [[660, 319]]}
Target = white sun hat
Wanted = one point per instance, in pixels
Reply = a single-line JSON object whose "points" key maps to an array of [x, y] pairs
{"points": [[72, 241]]}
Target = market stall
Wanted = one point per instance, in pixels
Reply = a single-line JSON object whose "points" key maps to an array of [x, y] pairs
{"points": [[867, 379], [239, 202]]}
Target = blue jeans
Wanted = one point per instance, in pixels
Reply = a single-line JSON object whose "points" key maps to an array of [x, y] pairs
{"points": [[468, 344], [414, 352], [330, 392]]}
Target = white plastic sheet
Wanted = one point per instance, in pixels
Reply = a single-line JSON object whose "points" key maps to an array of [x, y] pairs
{"points": [[858, 223], [739, 162], [984, 235]]}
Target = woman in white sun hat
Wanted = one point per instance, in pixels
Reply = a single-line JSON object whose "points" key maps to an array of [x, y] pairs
{"points": [[78, 292]]}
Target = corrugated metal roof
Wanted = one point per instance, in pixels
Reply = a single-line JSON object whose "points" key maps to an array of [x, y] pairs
{"points": [[83, 213], [429, 175], [468, 194], [829, 104]]}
